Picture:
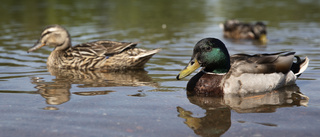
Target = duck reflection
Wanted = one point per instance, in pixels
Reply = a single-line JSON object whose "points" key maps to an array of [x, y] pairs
{"points": [[268, 102], [103, 79], [217, 119], [55, 93], [58, 91]]}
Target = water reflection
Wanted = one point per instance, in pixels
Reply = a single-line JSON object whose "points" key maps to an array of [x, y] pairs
{"points": [[217, 119], [57, 91], [268, 102], [103, 79]]}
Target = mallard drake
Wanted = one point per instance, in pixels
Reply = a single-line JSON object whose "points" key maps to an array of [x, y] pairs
{"points": [[238, 30], [105, 55], [240, 73]]}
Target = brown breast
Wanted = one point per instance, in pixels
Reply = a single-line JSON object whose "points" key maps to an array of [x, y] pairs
{"points": [[205, 84]]}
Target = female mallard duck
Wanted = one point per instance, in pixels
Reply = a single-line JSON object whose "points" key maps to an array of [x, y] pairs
{"points": [[239, 30], [105, 55], [240, 73]]}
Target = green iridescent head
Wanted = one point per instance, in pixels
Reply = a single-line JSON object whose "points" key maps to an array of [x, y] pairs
{"points": [[209, 53]]}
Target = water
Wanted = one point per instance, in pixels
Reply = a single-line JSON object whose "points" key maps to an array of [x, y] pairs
{"points": [[38, 101]]}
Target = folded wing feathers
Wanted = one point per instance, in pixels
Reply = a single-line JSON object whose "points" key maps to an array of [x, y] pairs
{"points": [[101, 48], [263, 63]]}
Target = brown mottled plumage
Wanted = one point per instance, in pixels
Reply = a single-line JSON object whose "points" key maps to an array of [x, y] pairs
{"points": [[104, 55], [235, 29]]}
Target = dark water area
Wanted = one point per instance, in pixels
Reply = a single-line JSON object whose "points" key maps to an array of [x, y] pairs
{"points": [[39, 101]]}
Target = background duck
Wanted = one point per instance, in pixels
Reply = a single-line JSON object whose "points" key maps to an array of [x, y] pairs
{"points": [[240, 73], [105, 55], [235, 29]]}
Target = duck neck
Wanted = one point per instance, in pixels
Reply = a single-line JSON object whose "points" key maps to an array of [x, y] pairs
{"points": [[65, 45], [222, 67], [217, 70]]}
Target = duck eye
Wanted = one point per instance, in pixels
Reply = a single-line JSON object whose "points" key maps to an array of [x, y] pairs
{"points": [[208, 48], [192, 62]]}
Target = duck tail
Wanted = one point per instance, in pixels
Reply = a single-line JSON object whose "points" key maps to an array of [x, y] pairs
{"points": [[300, 66], [143, 58]]}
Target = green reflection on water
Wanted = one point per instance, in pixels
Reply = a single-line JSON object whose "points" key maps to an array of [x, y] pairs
{"points": [[118, 14], [271, 11]]}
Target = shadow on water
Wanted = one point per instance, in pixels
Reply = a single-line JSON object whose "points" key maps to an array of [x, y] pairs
{"points": [[57, 91], [217, 119]]}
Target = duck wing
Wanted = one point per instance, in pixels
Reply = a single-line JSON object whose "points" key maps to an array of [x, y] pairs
{"points": [[101, 48], [262, 63], [108, 55]]}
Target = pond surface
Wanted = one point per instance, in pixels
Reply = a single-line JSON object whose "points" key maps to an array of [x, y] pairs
{"points": [[39, 101]]}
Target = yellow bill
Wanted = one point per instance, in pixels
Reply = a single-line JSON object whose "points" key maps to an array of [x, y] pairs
{"points": [[263, 38], [189, 69]]}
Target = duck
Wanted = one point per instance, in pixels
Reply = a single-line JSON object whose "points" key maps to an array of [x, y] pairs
{"points": [[235, 29], [97, 55], [223, 74]]}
